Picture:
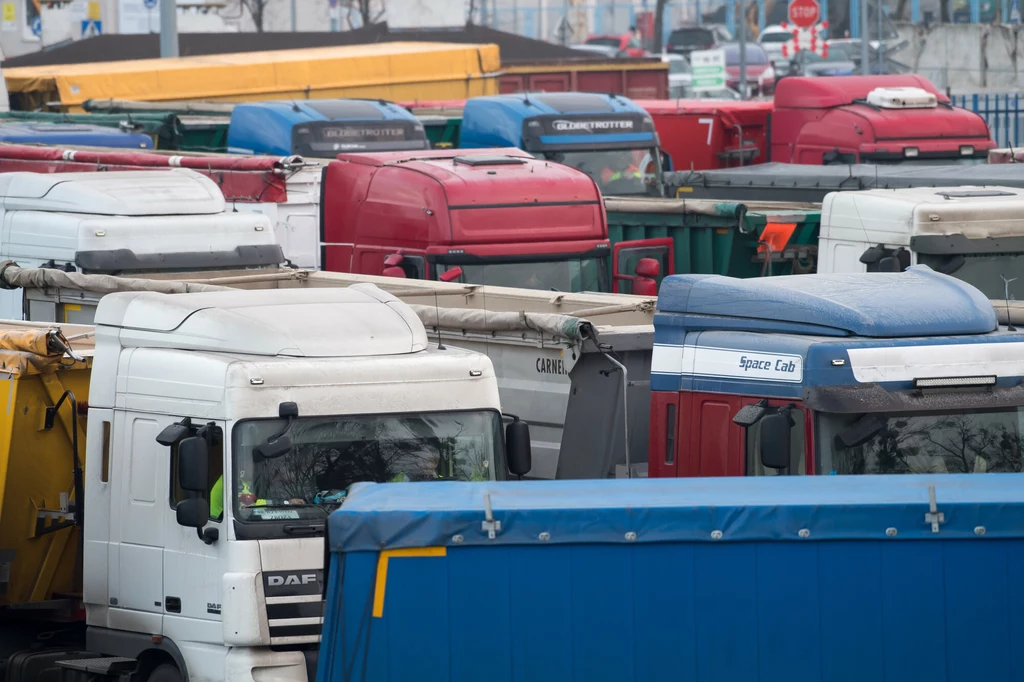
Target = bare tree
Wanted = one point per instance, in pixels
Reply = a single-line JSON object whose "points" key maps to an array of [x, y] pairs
{"points": [[369, 11], [257, 9]]}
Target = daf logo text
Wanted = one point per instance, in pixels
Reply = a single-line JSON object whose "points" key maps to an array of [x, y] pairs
{"points": [[292, 579]]}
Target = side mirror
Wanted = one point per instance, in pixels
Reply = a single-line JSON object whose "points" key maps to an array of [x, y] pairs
{"points": [[775, 441], [394, 271], [872, 255], [172, 433], [666, 161], [750, 414], [274, 447], [951, 264], [450, 275], [889, 264], [517, 447], [859, 432], [194, 466], [648, 267], [193, 512]]}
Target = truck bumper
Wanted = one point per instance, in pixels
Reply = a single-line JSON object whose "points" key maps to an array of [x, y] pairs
{"points": [[250, 664]]}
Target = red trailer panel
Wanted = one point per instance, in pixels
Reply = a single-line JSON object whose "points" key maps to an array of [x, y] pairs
{"points": [[706, 135], [241, 178], [633, 78]]}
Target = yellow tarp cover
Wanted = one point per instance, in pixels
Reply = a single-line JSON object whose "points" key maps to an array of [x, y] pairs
{"points": [[25, 351], [393, 71]]}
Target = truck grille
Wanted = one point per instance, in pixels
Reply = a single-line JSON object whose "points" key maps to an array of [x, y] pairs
{"points": [[295, 606]]}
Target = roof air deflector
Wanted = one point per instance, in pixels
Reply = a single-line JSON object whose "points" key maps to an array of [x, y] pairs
{"points": [[489, 160], [973, 193]]}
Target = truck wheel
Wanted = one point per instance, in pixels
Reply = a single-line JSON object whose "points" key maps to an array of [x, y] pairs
{"points": [[165, 673]]}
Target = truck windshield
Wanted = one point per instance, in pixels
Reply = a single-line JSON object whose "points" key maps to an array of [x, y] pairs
{"points": [[329, 454], [572, 275], [617, 172], [985, 271], [962, 442]]}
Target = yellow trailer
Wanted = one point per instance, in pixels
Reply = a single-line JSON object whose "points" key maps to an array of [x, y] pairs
{"points": [[392, 71], [40, 469]]}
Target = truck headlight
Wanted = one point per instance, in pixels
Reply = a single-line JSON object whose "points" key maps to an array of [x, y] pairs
{"points": [[911, 152], [967, 150]]}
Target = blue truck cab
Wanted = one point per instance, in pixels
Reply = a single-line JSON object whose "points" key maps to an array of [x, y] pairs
{"points": [[72, 134], [813, 579], [873, 373], [610, 138], [323, 128]]}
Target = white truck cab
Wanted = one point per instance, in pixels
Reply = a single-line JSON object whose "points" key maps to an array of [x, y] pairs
{"points": [[975, 234], [126, 222], [223, 426]]}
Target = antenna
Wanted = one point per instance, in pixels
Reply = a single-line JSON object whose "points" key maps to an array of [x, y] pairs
{"points": [[437, 322], [1006, 299]]}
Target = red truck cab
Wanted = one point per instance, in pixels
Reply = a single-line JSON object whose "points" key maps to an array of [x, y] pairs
{"points": [[873, 119], [709, 134], [481, 216]]}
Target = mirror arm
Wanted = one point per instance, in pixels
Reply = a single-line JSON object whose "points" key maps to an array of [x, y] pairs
{"points": [[208, 535]]}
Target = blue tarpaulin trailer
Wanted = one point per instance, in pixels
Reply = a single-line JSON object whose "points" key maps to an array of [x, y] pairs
{"points": [[838, 578], [25, 132]]}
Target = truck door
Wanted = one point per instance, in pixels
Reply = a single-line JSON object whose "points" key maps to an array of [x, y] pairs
{"points": [[193, 569], [137, 528]]}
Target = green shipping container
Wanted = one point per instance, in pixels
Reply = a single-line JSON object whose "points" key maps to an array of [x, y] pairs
{"points": [[170, 131], [442, 131], [718, 237]]}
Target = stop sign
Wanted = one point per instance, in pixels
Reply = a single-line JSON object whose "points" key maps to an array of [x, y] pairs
{"points": [[804, 13]]}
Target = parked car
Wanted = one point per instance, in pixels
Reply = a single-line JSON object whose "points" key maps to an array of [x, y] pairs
{"points": [[626, 45], [772, 39], [686, 39], [889, 65], [680, 75], [760, 73], [603, 50], [687, 92], [837, 63]]}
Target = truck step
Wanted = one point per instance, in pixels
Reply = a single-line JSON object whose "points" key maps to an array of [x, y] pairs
{"points": [[92, 669], [40, 665]]}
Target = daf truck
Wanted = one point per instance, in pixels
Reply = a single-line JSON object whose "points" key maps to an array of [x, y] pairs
{"points": [[167, 473]]}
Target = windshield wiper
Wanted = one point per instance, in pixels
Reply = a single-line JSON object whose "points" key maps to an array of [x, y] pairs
{"points": [[308, 529], [282, 505]]}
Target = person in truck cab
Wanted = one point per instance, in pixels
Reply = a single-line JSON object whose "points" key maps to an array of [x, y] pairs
{"points": [[246, 496], [610, 174]]}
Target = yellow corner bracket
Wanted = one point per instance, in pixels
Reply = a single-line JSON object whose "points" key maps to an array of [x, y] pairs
{"points": [[382, 571]]}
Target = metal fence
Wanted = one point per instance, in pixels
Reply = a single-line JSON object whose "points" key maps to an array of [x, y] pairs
{"points": [[1002, 112], [571, 22]]}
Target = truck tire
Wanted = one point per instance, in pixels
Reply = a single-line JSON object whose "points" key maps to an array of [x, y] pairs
{"points": [[166, 672]]}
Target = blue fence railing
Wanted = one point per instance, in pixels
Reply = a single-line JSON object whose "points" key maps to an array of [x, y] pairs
{"points": [[1002, 112]]}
